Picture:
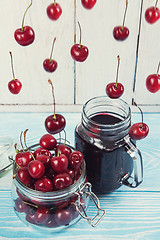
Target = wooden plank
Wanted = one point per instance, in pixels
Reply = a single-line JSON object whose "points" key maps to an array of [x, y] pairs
{"points": [[28, 61], [100, 68], [148, 58]]}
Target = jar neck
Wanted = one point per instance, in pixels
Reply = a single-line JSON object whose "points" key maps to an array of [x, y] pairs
{"points": [[106, 118]]}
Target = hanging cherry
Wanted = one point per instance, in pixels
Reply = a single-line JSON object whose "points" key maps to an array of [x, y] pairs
{"points": [[138, 130], [54, 11], [88, 4], [152, 14], [79, 52], [54, 123], [49, 64], [115, 89], [120, 33], [153, 81], [14, 85]]}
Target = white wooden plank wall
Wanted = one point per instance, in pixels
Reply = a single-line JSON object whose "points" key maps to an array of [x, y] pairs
{"points": [[74, 88]]}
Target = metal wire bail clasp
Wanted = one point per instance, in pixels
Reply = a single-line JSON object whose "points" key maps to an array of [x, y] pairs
{"points": [[86, 189]]}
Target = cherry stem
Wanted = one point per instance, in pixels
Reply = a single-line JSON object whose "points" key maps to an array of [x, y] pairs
{"points": [[21, 141], [125, 15], [15, 146], [24, 134], [54, 2], [50, 82], [12, 65], [117, 70], [80, 38], [158, 68], [135, 104], [52, 49], [25, 15], [156, 4]]}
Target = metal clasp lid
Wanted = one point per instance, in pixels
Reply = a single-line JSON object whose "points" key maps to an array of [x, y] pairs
{"points": [[86, 189]]}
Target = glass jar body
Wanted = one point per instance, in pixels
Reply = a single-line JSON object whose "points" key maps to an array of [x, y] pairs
{"points": [[52, 211], [100, 137]]}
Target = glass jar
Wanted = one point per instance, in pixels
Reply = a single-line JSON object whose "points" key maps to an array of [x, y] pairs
{"points": [[112, 159], [56, 210]]}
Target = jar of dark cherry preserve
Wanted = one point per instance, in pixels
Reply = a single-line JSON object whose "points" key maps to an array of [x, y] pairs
{"points": [[112, 159]]}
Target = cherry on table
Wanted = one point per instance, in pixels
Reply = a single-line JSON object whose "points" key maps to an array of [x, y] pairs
{"points": [[88, 4], [54, 11], [49, 64], [120, 33], [24, 35], [36, 169], [59, 163], [14, 85], [152, 14], [54, 123], [48, 142], [79, 52], [153, 82], [138, 130], [115, 89]]}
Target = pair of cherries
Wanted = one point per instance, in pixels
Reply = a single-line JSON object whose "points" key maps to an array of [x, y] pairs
{"points": [[46, 171]]}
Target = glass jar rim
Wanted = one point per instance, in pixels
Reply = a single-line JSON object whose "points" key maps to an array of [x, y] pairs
{"points": [[109, 100]]}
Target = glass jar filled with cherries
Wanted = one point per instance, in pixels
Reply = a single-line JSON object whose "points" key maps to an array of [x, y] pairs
{"points": [[50, 191]]}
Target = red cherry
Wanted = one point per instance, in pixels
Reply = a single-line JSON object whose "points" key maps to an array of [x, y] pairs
{"points": [[114, 90], [20, 206], [138, 131], [24, 176], [120, 33], [23, 158], [63, 149], [14, 86], [30, 216], [75, 159], [24, 37], [61, 181], [79, 52], [63, 216], [48, 142], [44, 184], [59, 163], [44, 159], [152, 14], [70, 172], [55, 123], [41, 215], [49, 64], [41, 151], [51, 222], [153, 83], [88, 4], [36, 169], [54, 11]]}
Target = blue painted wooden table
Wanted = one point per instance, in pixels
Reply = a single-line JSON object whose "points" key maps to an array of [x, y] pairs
{"points": [[131, 213]]}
